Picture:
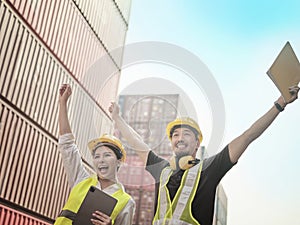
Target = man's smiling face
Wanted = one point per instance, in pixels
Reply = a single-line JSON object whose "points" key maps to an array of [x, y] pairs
{"points": [[184, 142]]}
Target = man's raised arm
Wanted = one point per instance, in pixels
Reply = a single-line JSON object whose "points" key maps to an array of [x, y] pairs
{"points": [[239, 144], [132, 137]]}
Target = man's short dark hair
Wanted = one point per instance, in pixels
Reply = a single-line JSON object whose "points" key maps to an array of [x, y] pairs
{"points": [[184, 126]]}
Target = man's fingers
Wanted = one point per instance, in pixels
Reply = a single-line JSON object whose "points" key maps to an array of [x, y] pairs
{"points": [[294, 89]]}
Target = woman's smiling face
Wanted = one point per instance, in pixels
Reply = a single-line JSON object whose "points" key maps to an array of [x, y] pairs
{"points": [[106, 163]]}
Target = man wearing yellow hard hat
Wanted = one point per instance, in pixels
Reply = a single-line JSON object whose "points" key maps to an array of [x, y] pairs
{"points": [[185, 186], [108, 153]]}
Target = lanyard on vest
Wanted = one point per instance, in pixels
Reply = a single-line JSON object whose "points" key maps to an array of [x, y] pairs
{"points": [[180, 208]]}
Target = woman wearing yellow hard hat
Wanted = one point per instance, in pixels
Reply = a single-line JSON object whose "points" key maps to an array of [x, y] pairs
{"points": [[107, 153]]}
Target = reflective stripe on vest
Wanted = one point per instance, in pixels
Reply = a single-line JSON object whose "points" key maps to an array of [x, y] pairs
{"points": [[78, 193], [179, 211]]}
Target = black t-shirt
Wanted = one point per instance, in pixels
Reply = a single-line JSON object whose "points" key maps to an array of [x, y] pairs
{"points": [[213, 169]]}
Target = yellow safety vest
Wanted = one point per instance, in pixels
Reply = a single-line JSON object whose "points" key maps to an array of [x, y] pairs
{"points": [[77, 195], [179, 211]]}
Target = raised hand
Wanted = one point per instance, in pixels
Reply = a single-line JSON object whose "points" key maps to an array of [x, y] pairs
{"points": [[114, 110], [64, 92]]}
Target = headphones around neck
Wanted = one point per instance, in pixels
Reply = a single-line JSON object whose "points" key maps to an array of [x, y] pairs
{"points": [[183, 163]]}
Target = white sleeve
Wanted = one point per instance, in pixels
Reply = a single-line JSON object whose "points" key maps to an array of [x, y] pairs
{"points": [[125, 217], [71, 159]]}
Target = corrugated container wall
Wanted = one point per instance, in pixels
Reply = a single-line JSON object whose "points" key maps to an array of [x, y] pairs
{"points": [[44, 43]]}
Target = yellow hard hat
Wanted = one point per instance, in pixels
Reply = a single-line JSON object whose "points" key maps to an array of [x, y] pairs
{"points": [[184, 121], [110, 141]]}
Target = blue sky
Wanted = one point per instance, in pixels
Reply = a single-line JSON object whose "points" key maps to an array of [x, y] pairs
{"points": [[238, 41]]}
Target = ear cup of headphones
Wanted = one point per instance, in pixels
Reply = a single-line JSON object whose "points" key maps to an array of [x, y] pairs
{"points": [[184, 162]]}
